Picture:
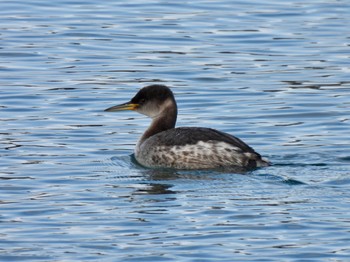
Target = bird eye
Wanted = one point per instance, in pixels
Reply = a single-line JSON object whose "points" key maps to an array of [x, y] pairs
{"points": [[142, 101]]}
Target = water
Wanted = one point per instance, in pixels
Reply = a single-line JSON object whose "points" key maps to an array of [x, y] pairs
{"points": [[274, 73]]}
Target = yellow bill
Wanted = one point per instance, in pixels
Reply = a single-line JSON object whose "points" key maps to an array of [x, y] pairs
{"points": [[122, 107]]}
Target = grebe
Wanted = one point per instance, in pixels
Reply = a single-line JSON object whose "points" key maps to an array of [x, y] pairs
{"points": [[164, 146]]}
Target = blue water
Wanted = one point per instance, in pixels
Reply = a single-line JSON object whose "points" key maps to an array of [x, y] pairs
{"points": [[274, 73]]}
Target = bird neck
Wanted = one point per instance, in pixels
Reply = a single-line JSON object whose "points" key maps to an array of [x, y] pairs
{"points": [[164, 121]]}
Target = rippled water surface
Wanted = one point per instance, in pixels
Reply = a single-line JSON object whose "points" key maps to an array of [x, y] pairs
{"points": [[274, 73]]}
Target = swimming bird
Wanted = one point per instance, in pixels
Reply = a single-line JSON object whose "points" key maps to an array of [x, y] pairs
{"points": [[164, 146]]}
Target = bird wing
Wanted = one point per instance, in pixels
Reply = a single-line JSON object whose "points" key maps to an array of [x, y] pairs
{"points": [[191, 135]]}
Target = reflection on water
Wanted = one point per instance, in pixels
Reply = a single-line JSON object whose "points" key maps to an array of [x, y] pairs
{"points": [[275, 74], [156, 189]]}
